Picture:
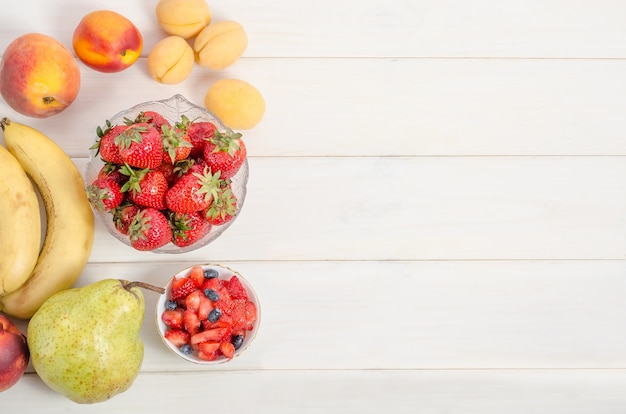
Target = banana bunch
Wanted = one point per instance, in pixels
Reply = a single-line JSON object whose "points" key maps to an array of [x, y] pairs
{"points": [[31, 272]]}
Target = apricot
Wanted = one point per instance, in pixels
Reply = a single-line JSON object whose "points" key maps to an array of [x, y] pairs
{"points": [[39, 76], [171, 60], [184, 18], [220, 44], [107, 41], [237, 103]]}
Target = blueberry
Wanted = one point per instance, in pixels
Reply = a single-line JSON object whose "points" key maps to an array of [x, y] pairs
{"points": [[237, 340], [211, 273], [171, 305], [211, 294], [215, 314], [186, 349]]}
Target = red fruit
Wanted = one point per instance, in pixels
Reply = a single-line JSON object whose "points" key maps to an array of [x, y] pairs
{"points": [[225, 152], [196, 273], [176, 145], [178, 337], [236, 289], [140, 146], [188, 228], [149, 230], [243, 314], [192, 301], [209, 335], [106, 146], [218, 286], [104, 194], [173, 318], [204, 308], [112, 171], [223, 207], [198, 133], [208, 351], [227, 349], [153, 118], [146, 187], [193, 192], [182, 287], [191, 322], [123, 216]]}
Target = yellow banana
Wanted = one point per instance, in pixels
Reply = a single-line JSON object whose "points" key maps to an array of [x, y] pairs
{"points": [[70, 221], [20, 224]]}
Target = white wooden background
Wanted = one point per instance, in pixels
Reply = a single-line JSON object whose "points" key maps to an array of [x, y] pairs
{"points": [[436, 213]]}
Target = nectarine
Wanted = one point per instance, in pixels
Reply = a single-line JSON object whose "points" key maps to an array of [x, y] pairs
{"points": [[39, 76], [107, 41], [14, 354]]}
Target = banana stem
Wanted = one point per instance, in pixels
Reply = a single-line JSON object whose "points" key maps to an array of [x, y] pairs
{"points": [[128, 286]]}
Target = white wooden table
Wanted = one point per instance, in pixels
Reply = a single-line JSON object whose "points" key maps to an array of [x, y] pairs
{"points": [[436, 212]]}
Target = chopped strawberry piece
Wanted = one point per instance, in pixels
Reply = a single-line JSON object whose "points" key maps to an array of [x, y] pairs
{"points": [[192, 301], [208, 351], [236, 289], [204, 307], [217, 285], [197, 275], [251, 314], [209, 335], [191, 322], [227, 349], [181, 288], [178, 337], [173, 318]]}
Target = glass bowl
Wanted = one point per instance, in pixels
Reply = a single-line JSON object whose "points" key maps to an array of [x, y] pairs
{"points": [[223, 273], [172, 109]]}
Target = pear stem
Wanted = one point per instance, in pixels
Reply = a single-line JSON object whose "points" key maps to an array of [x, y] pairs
{"points": [[128, 286]]}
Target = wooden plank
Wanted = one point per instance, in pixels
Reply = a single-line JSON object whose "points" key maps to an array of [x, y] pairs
{"points": [[419, 209], [413, 315], [360, 391], [388, 107], [405, 28]]}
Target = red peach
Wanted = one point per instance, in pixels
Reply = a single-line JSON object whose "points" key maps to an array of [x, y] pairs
{"points": [[39, 76], [106, 41], [14, 354]]}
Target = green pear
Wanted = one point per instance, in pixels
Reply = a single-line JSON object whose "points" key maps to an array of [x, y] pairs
{"points": [[84, 342]]}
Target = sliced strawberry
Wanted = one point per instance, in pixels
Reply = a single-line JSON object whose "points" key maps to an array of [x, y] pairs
{"points": [[236, 289], [181, 288], [204, 307], [173, 318], [177, 336], [192, 301], [227, 349], [239, 314], [218, 286], [197, 275], [216, 334], [251, 314], [208, 351], [191, 322]]}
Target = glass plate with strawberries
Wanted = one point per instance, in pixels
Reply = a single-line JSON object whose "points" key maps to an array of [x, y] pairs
{"points": [[166, 176]]}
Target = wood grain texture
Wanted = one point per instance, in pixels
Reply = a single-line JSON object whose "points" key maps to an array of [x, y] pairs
{"points": [[435, 219]]}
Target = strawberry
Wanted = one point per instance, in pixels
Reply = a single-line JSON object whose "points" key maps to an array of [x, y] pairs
{"points": [[150, 117], [149, 230], [105, 145], [208, 351], [227, 349], [123, 216], [236, 289], [198, 132], [225, 152], [176, 145], [223, 207], [205, 306], [178, 337], [112, 171], [193, 191], [209, 335], [188, 228], [140, 146], [243, 314], [146, 188], [192, 301], [197, 275], [104, 194], [173, 318], [191, 322], [180, 288]]}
